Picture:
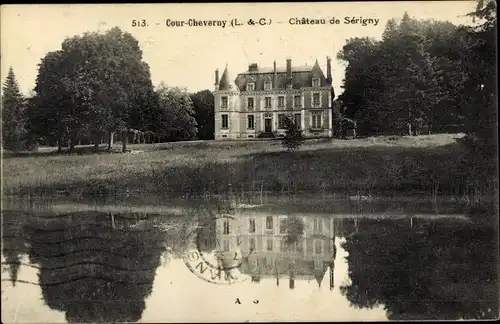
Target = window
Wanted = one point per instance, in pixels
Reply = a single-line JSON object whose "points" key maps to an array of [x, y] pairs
{"points": [[309, 247], [299, 246], [318, 264], [283, 226], [225, 121], [316, 119], [227, 228], [297, 120], [269, 244], [318, 247], [252, 226], [268, 102], [316, 99], [315, 82], [318, 225], [283, 245], [281, 101], [297, 101], [251, 87], [281, 121], [223, 102], [252, 244], [267, 85], [226, 245], [250, 122], [250, 103], [269, 222]]}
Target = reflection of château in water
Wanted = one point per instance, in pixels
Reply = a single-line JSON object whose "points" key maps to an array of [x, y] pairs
{"points": [[277, 246]]}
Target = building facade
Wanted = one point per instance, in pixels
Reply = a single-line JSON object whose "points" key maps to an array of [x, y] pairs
{"points": [[255, 103]]}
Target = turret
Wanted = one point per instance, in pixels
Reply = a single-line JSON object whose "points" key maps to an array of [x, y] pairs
{"points": [[225, 82]]}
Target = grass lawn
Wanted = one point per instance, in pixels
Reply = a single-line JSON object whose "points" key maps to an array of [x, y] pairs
{"points": [[423, 164]]}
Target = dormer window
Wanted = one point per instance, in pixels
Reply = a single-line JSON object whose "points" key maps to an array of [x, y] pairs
{"points": [[315, 82], [267, 85], [251, 86], [223, 103]]}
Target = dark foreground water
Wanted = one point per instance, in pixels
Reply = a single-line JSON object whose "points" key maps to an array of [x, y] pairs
{"points": [[76, 262]]}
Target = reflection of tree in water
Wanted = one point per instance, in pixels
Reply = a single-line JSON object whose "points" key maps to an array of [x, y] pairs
{"points": [[440, 270], [13, 242], [96, 267]]}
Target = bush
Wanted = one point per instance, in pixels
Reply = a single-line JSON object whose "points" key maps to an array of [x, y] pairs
{"points": [[293, 135], [348, 128]]}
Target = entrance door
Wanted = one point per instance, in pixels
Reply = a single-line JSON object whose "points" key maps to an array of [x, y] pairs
{"points": [[268, 125]]}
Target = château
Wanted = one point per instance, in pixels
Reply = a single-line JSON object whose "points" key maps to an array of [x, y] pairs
{"points": [[255, 103]]}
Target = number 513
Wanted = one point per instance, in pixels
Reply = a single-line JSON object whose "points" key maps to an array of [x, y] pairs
{"points": [[139, 23]]}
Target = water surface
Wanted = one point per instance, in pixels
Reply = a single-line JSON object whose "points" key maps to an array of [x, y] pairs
{"points": [[273, 260]]}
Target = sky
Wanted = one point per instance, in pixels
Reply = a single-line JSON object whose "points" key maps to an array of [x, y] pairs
{"points": [[188, 56]]}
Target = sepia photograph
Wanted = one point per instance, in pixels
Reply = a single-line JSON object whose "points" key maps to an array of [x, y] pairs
{"points": [[249, 162]]}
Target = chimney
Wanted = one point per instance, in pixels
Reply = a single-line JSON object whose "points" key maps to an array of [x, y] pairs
{"points": [[332, 285], [329, 69], [275, 79], [289, 69], [216, 76], [253, 67]]}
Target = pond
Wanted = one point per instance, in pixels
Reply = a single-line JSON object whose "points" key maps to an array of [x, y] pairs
{"points": [[265, 259]]}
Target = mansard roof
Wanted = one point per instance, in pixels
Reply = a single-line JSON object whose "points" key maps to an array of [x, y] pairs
{"points": [[301, 77]]}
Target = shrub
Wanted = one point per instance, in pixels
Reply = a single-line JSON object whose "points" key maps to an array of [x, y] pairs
{"points": [[348, 127], [293, 135]]}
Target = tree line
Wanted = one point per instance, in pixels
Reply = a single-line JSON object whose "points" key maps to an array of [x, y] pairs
{"points": [[423, 76], [97, 89]]}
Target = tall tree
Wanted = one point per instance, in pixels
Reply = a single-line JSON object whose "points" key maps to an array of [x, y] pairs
{"points": [[203, 103], [13, 114], [174, 118], [481, 85], [410, 89], [362, 83], [97, 83], [46, 119], [396, 84]]}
